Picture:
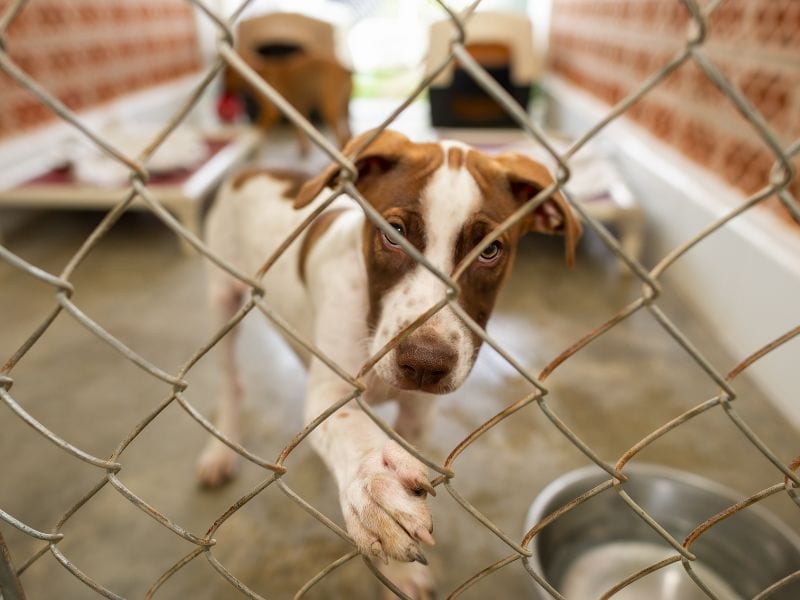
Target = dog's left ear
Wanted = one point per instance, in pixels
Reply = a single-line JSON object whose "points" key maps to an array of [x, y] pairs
{"points": [[377, 158], [526, 178]]}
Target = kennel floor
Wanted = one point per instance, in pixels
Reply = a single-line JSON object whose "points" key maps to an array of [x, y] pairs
{"points": [[139, 286]]}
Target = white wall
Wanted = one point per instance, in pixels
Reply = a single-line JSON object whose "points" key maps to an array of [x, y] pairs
{"points": [[744, 280]]}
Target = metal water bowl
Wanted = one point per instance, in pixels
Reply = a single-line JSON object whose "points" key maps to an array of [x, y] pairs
{"points": [[590, 549]]}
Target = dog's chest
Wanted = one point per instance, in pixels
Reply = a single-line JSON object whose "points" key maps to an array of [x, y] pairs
{"points": [[332, 279]]}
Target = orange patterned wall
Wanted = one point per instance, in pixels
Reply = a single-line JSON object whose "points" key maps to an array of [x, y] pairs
{"points": [[87, 52], [609, 47]]}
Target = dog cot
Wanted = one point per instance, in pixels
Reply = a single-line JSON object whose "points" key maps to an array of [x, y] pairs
{"points": [[502, 42]]}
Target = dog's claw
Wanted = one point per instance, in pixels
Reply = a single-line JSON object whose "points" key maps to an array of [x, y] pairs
{"points": [[423, 535], [420, 558], [425, 485], [377, 551]]}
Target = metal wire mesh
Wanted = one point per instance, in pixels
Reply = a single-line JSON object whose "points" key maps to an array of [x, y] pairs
{"points": [[519, 549]]}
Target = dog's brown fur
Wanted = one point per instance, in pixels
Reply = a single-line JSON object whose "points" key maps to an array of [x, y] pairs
{"points": [[308, 81]]}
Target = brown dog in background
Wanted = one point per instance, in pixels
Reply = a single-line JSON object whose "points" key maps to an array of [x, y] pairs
{"points": [[309, 81]]}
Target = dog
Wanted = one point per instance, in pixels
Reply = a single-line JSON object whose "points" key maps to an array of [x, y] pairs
{"points": [[309, 81], [349, 288]]}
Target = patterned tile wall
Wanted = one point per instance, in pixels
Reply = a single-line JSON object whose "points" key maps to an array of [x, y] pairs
{"points": [[609, 47], [87, 52]]}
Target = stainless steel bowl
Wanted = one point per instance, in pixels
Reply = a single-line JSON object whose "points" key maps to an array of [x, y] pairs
{"points": [[596, 545]]}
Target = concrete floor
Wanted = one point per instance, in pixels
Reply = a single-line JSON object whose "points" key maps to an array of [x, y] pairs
{"points": [[138, 285]]}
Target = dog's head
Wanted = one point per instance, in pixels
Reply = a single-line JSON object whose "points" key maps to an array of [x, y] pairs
{"points": [[444, 198]]}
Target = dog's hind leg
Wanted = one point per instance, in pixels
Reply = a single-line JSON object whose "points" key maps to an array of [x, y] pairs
{"points": [[302, 141], [268, 116], [335, 116], [217, 464]]}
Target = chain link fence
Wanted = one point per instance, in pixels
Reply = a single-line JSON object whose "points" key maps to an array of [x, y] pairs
{"points": [[787, 481]]}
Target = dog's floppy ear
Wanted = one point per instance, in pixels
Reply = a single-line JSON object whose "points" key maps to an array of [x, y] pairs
{"points": [[526, 178], [377, 158]]}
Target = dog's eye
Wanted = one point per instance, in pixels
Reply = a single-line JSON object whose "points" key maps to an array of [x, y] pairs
{"points": [[398, 227], [491, 252]]}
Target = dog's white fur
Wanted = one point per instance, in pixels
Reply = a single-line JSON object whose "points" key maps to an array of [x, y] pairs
{"points": [[381, 486], [420, 289]]}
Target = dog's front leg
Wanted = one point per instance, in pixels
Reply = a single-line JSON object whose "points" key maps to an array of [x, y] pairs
{"points": [[414, 416], [413, 422], [382, 488]]}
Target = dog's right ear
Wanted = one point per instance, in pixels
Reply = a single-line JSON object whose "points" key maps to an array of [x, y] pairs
{"points": [[526, 178], [377, 158]]}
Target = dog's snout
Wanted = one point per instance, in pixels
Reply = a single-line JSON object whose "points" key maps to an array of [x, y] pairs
{"points": [[425, 362]]}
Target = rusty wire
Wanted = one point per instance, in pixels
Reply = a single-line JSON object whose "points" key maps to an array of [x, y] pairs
{"points": [[782, 176]]}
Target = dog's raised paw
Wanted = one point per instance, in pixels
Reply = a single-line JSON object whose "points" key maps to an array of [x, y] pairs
{"points": [[217, 465], [385, 507]]}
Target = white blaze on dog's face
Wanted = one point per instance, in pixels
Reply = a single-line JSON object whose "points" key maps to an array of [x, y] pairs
{"points": [[444, 199], [439, 354]]}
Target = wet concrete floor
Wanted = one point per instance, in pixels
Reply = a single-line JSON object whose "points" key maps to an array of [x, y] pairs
{"points": [[140, 288]]}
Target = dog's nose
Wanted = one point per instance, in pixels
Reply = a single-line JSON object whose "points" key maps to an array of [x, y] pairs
{"points": [[424, 362]]}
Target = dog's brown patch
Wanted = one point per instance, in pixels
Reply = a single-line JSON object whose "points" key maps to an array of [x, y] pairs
{"points": [[294, 179], [308, 81], [505, 183], [396, 193], [520, 178], [313, 233], [392, 173], [480, 282], [455, 158]]}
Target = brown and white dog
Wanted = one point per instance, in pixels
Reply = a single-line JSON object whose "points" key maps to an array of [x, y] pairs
{"points": [[349, 289], [308, 81]]}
